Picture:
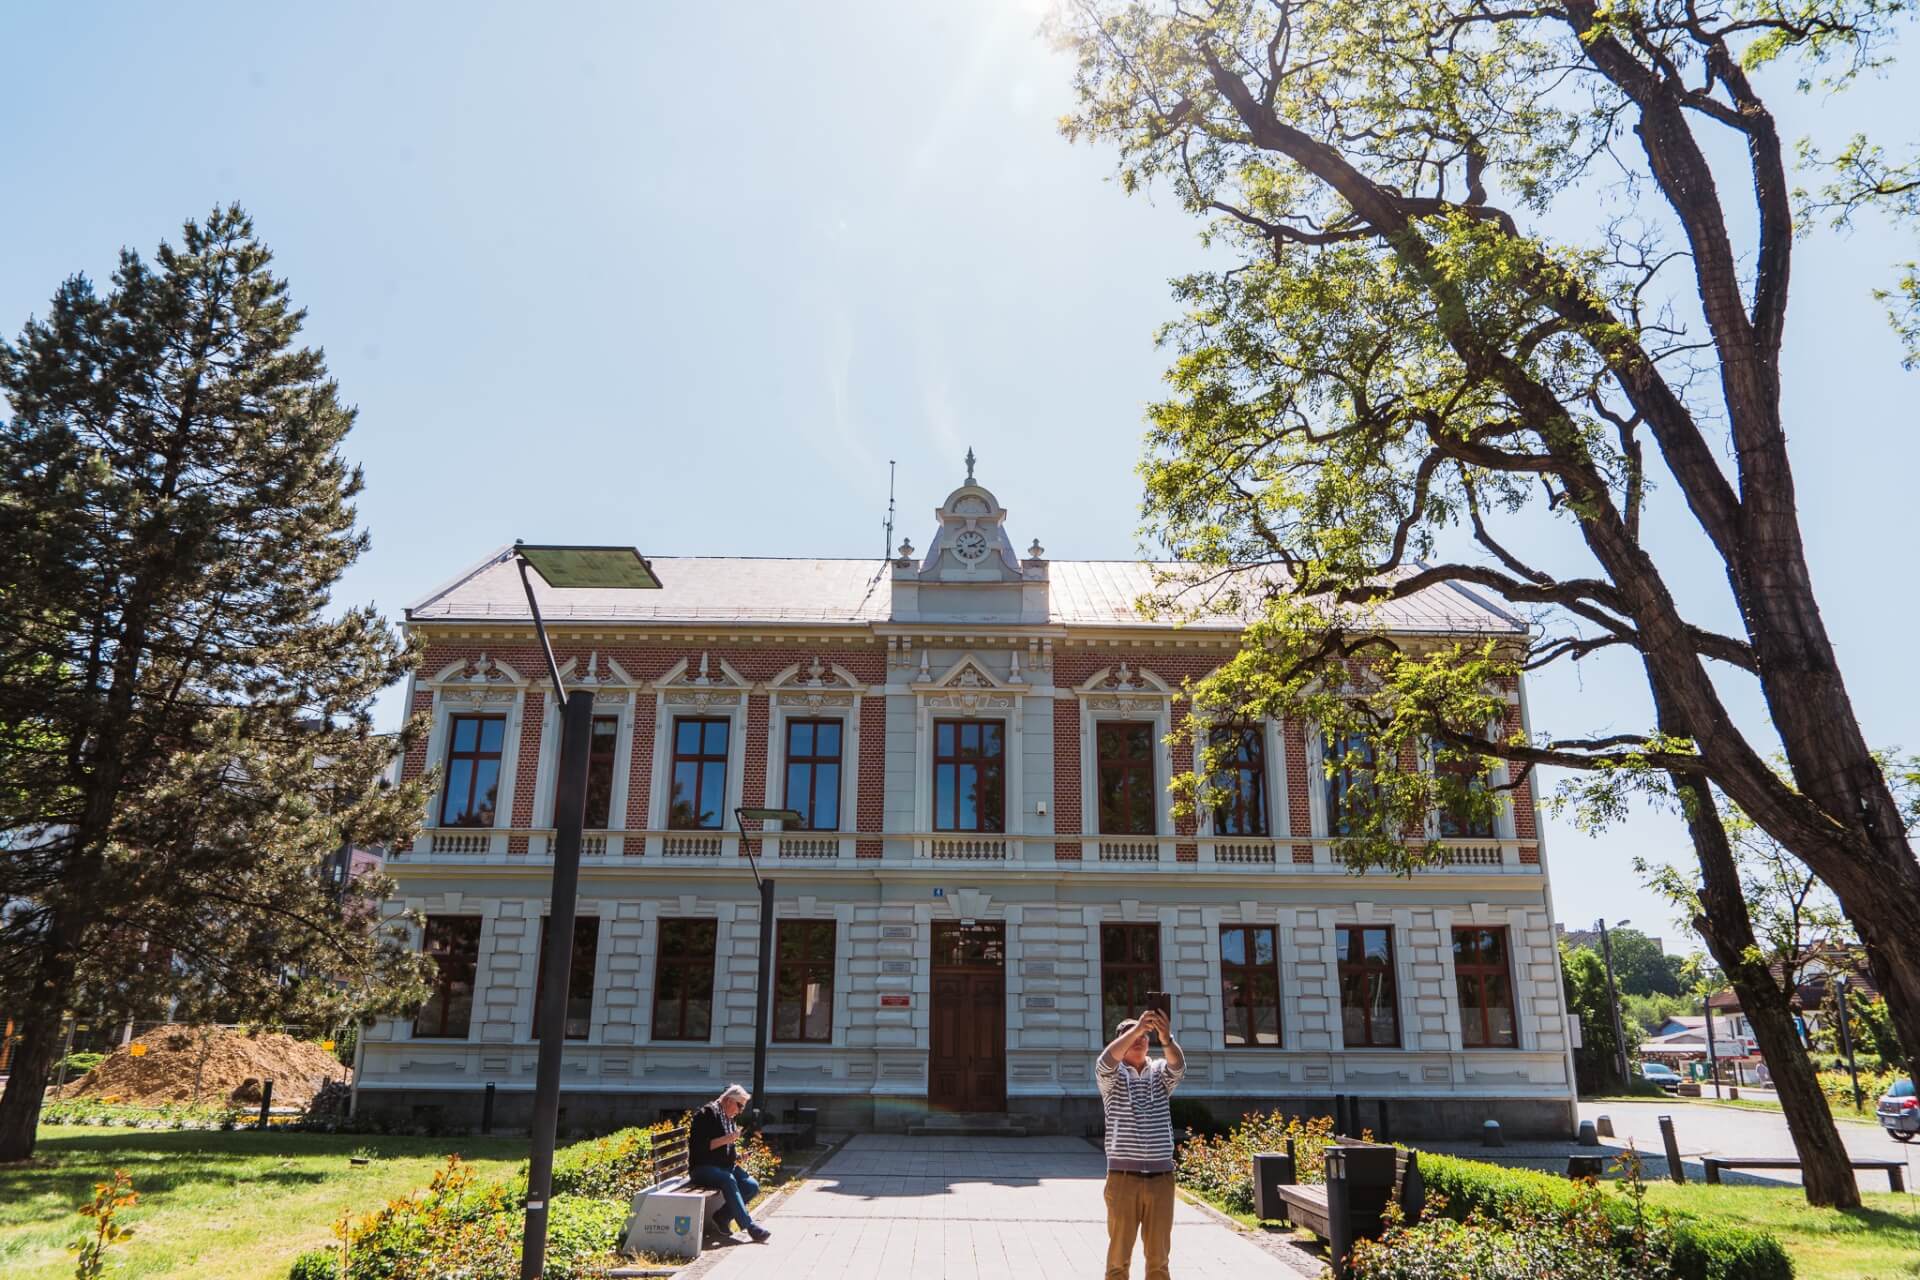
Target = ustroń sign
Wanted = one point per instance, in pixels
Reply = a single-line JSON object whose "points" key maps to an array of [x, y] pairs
{"points": [[666, 1223]]}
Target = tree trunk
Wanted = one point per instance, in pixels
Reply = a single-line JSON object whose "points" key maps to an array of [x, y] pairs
{"points": [[1728, 931], [33, 1061]]}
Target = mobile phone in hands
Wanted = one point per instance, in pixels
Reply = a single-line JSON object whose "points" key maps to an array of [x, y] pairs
{"points": [[1162, 1003]]}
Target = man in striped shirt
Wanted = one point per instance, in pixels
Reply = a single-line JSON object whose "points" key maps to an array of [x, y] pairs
{"points": [[1136, 1091]]}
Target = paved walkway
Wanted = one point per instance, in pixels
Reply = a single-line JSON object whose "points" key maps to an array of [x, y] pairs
{"points": [[899, 1208]]}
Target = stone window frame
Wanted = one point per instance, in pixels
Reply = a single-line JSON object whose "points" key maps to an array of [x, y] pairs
{"points": [[1120, 693], [1278, 796], [1397, 967], [816, 690], [956, 695], [616, 694], [710, 688], [483, 685]]}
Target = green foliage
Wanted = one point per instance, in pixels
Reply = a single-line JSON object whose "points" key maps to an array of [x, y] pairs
{"points": [[616, 1166], [1649, 1013], [1584, 981], [109, 1200], [1581, 1241], [1220, 1166], [177, 513], [1697, 1248], [316, 1264], [1640, 967], [581, 1234], [78, 1064], [163, 1115]]}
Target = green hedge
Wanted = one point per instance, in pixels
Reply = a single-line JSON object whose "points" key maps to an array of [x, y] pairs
{"points": [[1702, 1248]]}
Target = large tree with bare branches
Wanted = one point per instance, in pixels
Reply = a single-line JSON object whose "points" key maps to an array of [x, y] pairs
{"points": [[1481, 269]]}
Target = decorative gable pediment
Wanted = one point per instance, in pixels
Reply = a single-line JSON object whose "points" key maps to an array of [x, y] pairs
{"points": [[702, 682], [479, 679], [967, 687], [815, 684], [597, 672], [1126, 690]]}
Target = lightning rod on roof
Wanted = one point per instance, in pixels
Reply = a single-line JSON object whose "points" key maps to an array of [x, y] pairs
{"points": [[886, 552]]}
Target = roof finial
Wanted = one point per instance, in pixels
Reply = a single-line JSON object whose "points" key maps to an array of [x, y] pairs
{"points": [[969, 464]]}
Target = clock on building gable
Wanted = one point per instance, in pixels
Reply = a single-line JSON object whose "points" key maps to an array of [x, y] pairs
{"points": [[970, 546]]}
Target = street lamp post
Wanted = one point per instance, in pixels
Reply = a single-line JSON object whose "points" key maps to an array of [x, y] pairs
{"points": [[1613, 999], [761, 994], [563, 567]]}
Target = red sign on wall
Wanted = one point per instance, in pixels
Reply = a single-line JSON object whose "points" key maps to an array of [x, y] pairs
{"points": [[896, 1002]]}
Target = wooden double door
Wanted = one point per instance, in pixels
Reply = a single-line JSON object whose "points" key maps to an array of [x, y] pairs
{"points": [[967, 1063]]}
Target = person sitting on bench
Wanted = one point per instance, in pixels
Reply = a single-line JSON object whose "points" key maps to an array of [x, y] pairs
{"points": [[711, 1161]]}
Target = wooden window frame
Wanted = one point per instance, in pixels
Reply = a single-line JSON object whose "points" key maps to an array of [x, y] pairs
{"points": [[589, 927], [474, 757], [1243, 1001], [444, 978], [1446, 824], [979, 759], [699, 759], [1138, 976], [1129, 767], [690, 957], [1362, 967], [1503, 970], [815, 965], [813, 761], [1260, 827]]}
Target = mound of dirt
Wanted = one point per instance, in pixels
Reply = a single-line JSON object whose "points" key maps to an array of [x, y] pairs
{"points": [[211, 1066]]}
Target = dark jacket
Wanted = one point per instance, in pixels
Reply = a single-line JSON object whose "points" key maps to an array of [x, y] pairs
{"points": [[709, 1124]]}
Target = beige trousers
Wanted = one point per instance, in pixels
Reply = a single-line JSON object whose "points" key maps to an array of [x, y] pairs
{"points": [[1142, 1206]]}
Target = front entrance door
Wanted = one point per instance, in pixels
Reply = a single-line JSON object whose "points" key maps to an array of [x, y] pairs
{"points": [[967, 1067]]}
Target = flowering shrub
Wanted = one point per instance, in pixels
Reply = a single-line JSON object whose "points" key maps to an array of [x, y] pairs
{"points": [[1221, 1168], [1838, 1086]]}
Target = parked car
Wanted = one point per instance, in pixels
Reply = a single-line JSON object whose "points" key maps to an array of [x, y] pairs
{"points": [[1899, 1111], [1661, 1074]]}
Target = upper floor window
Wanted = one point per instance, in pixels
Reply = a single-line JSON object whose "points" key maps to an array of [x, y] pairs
{"points": [[473, 771], [969, 775], [1126, 778], [803, 981], [1452, 824], [813, 773], [601, 750], [1242, 781], [1369, 1011], [586, 943], [453, 944], [1250, 984], [683, 979], [1486, 989], [1350, 787], [1129, 968], [699, 796]]}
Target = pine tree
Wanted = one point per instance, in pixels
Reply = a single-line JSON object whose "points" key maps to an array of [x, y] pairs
{"points": [[184, 722]]}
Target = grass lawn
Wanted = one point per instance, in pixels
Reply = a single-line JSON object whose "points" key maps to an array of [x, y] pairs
{"points": [[237, 1205], [1879, 1241]]}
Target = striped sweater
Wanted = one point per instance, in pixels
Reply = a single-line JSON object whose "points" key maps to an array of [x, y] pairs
{"points": [[1139, 1118]]}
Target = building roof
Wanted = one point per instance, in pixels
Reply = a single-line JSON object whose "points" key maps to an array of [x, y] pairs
{"points": [[859, 592]]}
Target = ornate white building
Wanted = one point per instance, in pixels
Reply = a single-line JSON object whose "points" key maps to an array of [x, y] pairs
{"points": [[991, 873]]}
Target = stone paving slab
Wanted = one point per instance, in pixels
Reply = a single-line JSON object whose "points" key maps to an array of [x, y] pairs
{"points": [[891, 1208]]}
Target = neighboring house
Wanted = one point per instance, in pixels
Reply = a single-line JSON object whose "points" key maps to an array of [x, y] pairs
{"points": [[1683, 1040], [990, 876]]}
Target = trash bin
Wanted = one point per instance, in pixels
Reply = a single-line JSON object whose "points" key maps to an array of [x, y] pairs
{"points": [[1270, 1170]]}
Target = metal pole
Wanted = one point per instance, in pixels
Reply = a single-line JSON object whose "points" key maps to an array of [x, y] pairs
{"points": [[762, 996], [1846, 1043], [1613, 999], [569, 816], [1713, 1058]]}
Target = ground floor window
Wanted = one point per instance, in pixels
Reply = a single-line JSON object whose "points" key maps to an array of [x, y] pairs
{"points": [[803, 981], [1250, 985], [1369, 1012], [683, 980], [453, 944], [586, 947], [1486, 989], [1129, 968]]}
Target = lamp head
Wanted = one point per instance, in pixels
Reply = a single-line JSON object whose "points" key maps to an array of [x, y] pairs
{"points": [[621, 568]]}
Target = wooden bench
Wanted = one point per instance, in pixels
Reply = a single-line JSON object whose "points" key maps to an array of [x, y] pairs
{"points": [[671, 1164], [1894, 1169], [1362, 1179]]}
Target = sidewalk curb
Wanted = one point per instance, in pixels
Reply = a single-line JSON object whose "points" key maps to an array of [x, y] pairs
{"points": [[1274, 1246]]}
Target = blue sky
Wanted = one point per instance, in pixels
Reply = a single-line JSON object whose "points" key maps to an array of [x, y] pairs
{"points": [[688, 276]]}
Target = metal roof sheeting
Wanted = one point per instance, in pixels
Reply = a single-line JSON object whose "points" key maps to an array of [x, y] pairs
{"points": [[719, 589]]}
